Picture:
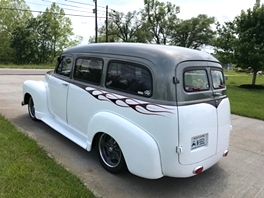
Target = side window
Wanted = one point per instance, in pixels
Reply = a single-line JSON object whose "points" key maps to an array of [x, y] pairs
{"points": [[88, 70], [130, 78], [64, 66], [218, 79], [196, 80]]}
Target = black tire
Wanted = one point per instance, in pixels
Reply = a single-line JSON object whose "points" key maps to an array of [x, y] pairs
{"points": [[31, 109], [110, 154]]}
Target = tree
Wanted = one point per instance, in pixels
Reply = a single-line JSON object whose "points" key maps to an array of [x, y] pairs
{"points": [[40, 40], [12, 14], [55, 33], [257, 4], [194, 32], [242, 41], [112, 34], [126, 25], [225, 42], [21, 43], [158, 19], [249, 27], [123, 28]]}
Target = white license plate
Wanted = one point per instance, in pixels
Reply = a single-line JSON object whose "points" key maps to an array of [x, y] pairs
{"points": [[199, 141]]}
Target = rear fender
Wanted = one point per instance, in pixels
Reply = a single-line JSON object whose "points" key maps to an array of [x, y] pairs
{"points": [[140, 150]]}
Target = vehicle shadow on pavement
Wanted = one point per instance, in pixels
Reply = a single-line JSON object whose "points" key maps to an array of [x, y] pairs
{"points": [[204, 185]]}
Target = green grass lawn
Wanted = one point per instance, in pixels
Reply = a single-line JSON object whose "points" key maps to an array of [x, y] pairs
{"points": [[27, 171], [245, 102], [12, 66]]}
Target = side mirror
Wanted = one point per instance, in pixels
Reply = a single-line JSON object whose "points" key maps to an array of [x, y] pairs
{"points": [[59, 59]]}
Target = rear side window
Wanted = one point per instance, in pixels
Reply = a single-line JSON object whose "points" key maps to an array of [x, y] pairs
{"points": [[88, 70], [128, 77], [196, 80], [218, 79]]}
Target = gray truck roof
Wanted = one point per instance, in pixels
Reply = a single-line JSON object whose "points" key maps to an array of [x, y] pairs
{"points": [[149, 51]]}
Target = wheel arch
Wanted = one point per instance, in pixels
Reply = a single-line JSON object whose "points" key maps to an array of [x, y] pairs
{"points": [[26, 98], [37, 90], [95, 139], [140, 150]]}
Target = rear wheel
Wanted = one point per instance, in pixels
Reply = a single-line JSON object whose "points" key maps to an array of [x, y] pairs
{"points": [[31, 109], [110, 154]]}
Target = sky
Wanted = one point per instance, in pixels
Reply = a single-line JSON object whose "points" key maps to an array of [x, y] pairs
{"points": [[222, 10]]}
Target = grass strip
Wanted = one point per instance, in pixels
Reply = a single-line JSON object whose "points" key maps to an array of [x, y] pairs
{"points": [[27, 171], [245, 102], [12, 66]]}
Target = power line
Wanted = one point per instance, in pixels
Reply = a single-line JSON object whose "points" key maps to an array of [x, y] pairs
{"points": [[25, 10], [76, 2], [36, 4], [115, 11], [62, 8], [83, 3], [69, 5], [76, 10]]}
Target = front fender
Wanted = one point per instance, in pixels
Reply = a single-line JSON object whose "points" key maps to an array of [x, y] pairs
{"points": [[140, 150], [38, 91]]}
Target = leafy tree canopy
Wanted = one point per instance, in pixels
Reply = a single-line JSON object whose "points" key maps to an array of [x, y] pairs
{"points": [[225, 42], [158, 18], [11, 15], [25, 39], [194, 32], [242, 41], [249, 27]]}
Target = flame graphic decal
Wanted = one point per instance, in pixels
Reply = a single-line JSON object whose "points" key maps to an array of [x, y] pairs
{"points": [[137, 105]]}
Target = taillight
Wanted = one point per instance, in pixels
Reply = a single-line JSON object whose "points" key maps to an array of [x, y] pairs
{"points": [[198, 170], [225, 153]]}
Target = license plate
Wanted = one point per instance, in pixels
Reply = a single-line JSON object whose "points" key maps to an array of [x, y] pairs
{"points": [[199, 141]]}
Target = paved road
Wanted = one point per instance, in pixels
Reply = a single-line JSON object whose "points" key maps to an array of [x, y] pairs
{"points": [[23, 71], [238, 175]]}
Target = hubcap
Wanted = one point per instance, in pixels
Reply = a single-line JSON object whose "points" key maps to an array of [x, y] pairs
{"points": [[31, 108], [110, 151]]}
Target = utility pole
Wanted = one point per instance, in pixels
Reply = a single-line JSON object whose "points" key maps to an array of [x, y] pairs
{"points": [[95, 12], [106, 25]]}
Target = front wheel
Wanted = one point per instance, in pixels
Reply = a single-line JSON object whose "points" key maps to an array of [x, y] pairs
{"points": [[31, 109], [110, 154]]}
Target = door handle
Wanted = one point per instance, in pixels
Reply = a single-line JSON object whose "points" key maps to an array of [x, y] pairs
{"points": [[217, 94], [65, 84]]}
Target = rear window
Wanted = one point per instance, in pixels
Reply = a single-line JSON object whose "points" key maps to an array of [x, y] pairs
{"points": [[218, 79], [129, 77], [196, 80]]}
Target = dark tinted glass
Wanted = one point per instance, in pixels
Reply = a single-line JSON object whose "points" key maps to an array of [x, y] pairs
{"points": [[88, 70], [128, 77]]}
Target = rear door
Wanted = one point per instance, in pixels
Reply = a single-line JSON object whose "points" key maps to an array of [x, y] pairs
{"points": [[198, 125], [223, 106]]}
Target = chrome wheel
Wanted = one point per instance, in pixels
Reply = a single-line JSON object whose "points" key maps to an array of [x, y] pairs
{"points": [[31, 109], [110, 154]]}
